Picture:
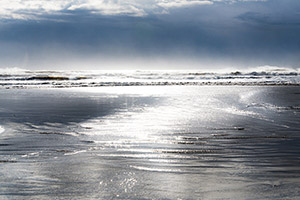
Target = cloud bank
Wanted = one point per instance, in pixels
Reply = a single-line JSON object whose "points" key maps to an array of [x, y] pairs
{"points": [[164, 34], [37, 9]]}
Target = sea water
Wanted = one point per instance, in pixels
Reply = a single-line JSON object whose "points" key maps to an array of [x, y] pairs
{"points": [[21, 78]]}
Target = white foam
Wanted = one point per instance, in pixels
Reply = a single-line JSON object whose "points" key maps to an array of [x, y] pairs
{"points": [[12, 70], [271, 69], [263, 75], [1, 129]]}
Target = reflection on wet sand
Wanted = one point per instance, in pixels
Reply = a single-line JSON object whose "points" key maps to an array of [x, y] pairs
{"points": [[159, 143]]}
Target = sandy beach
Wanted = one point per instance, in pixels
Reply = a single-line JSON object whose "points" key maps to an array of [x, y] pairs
{"points": [[150, 142]]}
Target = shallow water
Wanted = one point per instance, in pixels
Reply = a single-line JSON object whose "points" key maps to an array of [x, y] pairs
{"points": [[150, 142]]}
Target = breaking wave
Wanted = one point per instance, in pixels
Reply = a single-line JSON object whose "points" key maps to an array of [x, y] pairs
{"points": [[267, 75]]}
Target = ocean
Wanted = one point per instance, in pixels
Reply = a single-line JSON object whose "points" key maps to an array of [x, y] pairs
{"points": [[21, 78], [150, 134]]}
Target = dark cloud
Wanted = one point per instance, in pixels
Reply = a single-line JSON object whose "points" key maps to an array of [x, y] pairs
{"points": [[242, 33], [270, 19]]}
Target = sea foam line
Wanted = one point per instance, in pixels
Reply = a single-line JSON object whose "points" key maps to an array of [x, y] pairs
{"points": [[1, 129]]}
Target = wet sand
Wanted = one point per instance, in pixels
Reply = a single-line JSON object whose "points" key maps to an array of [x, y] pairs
{"points": [[150, 142]]}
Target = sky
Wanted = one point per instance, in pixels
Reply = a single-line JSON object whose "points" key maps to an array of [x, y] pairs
{"points": [[149, 34]]}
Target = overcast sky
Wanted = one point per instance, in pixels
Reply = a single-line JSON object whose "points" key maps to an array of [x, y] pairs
{"points": [[149, 34]]}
